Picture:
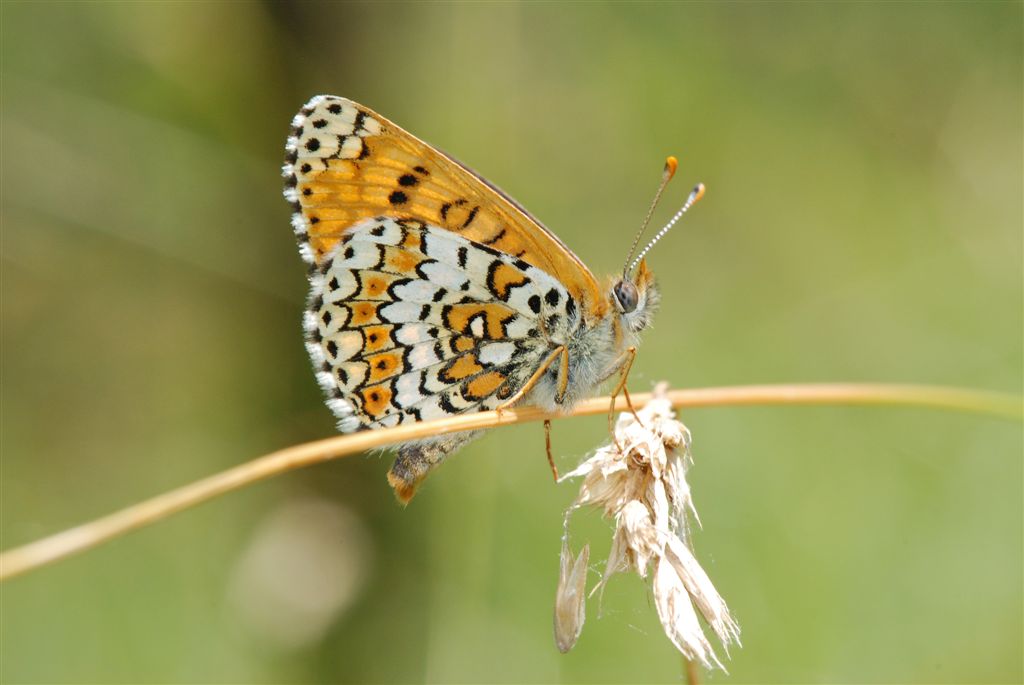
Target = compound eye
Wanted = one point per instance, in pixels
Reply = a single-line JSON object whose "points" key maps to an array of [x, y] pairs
{"points": [[626, 296]]}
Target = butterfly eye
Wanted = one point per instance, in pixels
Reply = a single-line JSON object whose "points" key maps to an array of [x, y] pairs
{"points": [[625, 296]]}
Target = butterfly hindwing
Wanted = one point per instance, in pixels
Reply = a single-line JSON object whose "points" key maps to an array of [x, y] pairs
{"points": [[409, 321]]}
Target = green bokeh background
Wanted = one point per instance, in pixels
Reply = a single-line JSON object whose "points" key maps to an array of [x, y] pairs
{"points": [[863, 222]]}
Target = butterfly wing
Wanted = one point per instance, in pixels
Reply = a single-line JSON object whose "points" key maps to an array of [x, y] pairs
{"points": [[409, 322], [346, 163]]}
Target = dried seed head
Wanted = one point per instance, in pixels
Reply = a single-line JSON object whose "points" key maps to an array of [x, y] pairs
{"points": [[640, 481]]}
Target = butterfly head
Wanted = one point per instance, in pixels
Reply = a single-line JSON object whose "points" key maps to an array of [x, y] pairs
{"points": [[636, 298]]}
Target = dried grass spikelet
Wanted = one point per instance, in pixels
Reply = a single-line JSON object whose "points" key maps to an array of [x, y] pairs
{"points": [[570, 599], [640, 481]]}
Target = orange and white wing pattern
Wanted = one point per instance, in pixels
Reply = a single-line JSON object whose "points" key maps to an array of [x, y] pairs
{"points": [[430, 293], [409, 322], [346, 163]]}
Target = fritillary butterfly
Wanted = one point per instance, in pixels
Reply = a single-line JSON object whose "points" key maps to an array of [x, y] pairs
{"points": [[432, 293]]}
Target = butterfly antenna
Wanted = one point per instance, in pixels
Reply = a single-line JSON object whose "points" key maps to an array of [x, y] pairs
{"points": [[695, 195], [671, 164]]}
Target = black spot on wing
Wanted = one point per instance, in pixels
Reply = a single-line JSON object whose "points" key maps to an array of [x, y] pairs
{"points": [[469, 219], [446, 404], [570, 307], [357, 125]]}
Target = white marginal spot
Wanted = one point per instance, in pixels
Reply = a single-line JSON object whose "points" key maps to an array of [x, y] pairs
{"points": [[299, 224], [326, 381], [348, 424], [346, 285], [362, 255], [309, 321], [356, 373], [350, 343], [340, 407], [291, 195], [306, 252], [316, 354], [338, 318]]}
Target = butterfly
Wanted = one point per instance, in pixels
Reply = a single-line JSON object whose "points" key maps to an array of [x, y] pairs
{"points": [[433, 293]]}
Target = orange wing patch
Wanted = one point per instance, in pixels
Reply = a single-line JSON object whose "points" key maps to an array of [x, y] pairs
{"points": [[478, 320], [482, 386], [461, 368], [375, 285], [464, 343], [503, 277], [376, 400], [376, 338], [363, 313], [384, 365], [347, 163]]}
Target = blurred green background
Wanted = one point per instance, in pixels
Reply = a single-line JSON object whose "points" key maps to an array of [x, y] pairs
{"points": [[863, 222]]}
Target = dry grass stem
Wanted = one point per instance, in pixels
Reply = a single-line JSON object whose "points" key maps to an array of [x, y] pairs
{"points": [[61, 545]]}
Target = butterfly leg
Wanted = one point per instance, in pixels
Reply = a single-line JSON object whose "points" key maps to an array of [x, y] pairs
{"points": [[547, 445], [538, 374], [624, 364]]}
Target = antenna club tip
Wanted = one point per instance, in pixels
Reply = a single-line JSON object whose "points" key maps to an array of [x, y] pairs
{"points": [[698, 192], [671, 164]]}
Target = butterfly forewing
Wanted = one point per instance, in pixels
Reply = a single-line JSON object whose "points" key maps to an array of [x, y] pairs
{"points": [[347, 164]]}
